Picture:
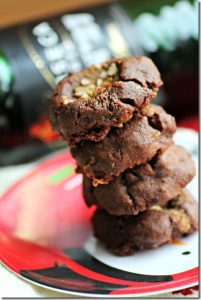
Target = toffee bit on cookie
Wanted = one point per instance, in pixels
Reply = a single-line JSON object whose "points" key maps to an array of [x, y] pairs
{"points": [[180, 218]]}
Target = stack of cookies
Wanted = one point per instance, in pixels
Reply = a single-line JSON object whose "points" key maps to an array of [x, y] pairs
{"points": [[133, 171]]}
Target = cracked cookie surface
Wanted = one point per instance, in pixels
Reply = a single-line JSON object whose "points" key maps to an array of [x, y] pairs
{"points": [[153, 183], [123, 235], [87, 104]]}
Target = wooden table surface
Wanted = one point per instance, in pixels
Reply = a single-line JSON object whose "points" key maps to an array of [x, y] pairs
{"points": [[18, 11]]}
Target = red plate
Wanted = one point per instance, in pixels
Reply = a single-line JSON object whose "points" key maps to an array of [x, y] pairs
{"points": [[44, 227]]}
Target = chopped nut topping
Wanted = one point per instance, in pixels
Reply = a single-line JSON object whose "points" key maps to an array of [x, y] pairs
{"points": [[85, 81], [66, 100], [87, 88], [156, 207], [84, 91], [112, 69], [103, 74], [97, 66], [90, 89], [80, 92], [99, 82]]}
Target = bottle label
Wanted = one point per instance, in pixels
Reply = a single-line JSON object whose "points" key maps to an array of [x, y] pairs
{"points": [[42, 53], [70, 42]]}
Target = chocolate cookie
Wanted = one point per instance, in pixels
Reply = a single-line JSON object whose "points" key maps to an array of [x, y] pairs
{"points": [[87, 104], [135, 190], [148, 230], [148, 133]]}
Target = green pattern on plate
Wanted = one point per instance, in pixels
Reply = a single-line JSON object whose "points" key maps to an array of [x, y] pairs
{"points": [[61, 174]]}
